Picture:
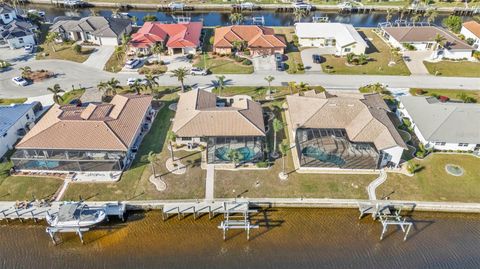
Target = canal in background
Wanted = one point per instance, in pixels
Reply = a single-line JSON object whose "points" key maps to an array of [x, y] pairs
{"points": [[222, 18], [294, 238]]}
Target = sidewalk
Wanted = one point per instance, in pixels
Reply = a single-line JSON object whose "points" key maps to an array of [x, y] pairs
{"points": [[210, 182]]}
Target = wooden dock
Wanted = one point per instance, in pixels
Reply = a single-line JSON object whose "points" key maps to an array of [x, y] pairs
{"points": [[200, 208]]}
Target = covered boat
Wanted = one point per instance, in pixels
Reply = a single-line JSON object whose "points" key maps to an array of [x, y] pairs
{"points": [[76, 215]]}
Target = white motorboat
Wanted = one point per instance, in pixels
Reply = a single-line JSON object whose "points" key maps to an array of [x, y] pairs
{"points": [[76, 215]]}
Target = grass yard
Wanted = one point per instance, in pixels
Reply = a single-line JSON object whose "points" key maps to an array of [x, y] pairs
{"points": [[292, 52], [8, 101], [453, 69], [452, 94], [380, 55], [259, 93], [221, 65], [116, 61], [25, 188], [71, 95], [63, 51], [433, 183]]}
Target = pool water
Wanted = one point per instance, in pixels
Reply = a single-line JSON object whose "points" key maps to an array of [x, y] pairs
{"points": [[42, 164], [323, 156], [246, 153]]}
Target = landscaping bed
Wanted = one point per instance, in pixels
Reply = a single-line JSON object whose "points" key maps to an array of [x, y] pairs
{"points": [[451, 94], [63, 51], [218, 64]]}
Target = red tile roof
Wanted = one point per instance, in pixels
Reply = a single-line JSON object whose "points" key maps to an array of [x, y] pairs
{"points": [[255, 36], [473, 27], [181, 35]]}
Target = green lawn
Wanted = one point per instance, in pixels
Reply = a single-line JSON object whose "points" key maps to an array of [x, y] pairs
{"points": [[222, 65], [450, 93], [116, 62], [453, 69], [292, 52], [69, 96], [433, 183], [380, 55], [63, 52], [7, 101]]}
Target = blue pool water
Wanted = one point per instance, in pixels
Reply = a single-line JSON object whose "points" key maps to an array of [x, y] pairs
{"points": [[42, 164], [246, 153], [323, 156]]}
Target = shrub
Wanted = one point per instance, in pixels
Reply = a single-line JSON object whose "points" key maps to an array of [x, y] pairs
{"points": [[300, 67], [77, 48], [149, 17], [412, 167], [262, 164], [238, 59], [247, 62], [420, 92], [295, 40], [189, 56], [246, 52], [409, 46], [453, 23]]}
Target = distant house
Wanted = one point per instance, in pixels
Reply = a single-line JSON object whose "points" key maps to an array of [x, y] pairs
{"points": [[423, 38], [96, 29], [7, 14], [91, 138], [471, 29], [343, 37], [258, 39], [15, 121], [18, 33], [442, 126], [180, 38], [343, 131], [220, 124]]}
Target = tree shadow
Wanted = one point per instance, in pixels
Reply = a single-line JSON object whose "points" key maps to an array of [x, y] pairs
{"points": [[371, 47]]}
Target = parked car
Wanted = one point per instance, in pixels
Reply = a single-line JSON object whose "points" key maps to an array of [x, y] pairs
{"points": [[198, 72], [29, 48], [278, 57], [280, 66], [131, 64], [20, 81], [406, 58], [316, 58], [131, 81]]}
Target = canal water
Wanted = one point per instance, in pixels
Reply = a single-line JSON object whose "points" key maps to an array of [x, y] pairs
{"points": [[287, 238], [222, 18]]}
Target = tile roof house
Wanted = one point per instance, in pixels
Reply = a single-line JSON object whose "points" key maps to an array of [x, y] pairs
{"points": [[423, 38], [348, 131], [220, 124], [471, 30], [95, 29], [443, 126], [18, 33], [343, 37], [177, 38], [94, 137], [259, 40], [15, 121]]}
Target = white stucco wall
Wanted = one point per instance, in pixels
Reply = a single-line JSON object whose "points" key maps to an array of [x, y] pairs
{"points": [[468, 34], [11, 16], [16, 43], [11, 137], [393, 154]]}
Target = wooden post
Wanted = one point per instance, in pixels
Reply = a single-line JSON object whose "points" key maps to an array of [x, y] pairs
{"points": [[18, 215], [33, 217]]}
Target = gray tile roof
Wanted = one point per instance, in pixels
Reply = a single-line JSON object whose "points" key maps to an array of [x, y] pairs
{"points": [[9, 115], [16, 28], [444, 122], [98, 26], [4, 8]]}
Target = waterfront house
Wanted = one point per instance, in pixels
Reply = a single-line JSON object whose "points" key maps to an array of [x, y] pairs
{"points": [[98, 137], [423, 38], [179, 38], [95, 29], [343, 131], [471, 30], [7, 13], [442, 125], [220, 124], [258, 40], [343, 38], [18, 33], [15, 121]]}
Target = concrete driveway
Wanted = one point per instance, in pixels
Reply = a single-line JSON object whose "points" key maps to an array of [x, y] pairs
{"points": [[264, 64], [176, 61], [99, 57], [415, 62], [307, 59], [16, 55]]}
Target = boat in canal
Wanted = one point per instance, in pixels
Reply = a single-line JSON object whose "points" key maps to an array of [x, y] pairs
{"points": [[76, 215]]}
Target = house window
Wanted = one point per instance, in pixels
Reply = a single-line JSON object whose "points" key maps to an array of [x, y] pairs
{"points": [[27, 116], [5, 134], [440, 143], [20, 40], [186, 138], [463, 144], [347, 49], [7, 16]]}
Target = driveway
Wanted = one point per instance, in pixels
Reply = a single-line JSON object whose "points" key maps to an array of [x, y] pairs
{"points": [[264, 64], [415, 64], [307, 59], [15, 56], [99, 57], [176, 61]]}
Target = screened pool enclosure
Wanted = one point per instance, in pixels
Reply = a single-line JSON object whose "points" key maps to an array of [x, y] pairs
{"points": [[250, 149]]}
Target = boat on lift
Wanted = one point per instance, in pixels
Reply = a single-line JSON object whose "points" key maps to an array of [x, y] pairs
{"points": [[76, 215]]}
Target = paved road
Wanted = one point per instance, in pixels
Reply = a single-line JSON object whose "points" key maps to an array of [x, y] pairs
{"points": [[76, 74]]}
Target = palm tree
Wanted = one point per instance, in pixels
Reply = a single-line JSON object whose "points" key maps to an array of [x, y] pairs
{"points": [[283, 149], [151, 82], [103, 87], [134, 20], [157, 49], [180, 74], [236, 18], [112, 86], [292, 86], [432, 16], [171, 137], [302, 86], [415, 18], [220, 84], [119, 52], [269, 79], [152, 158], [56, 90], [234, 156], [389, 15], [277, 127], [439, 42], [125, 39], [299, 13], [403, 10], [26, 71], [136, 87], [50, 39]]}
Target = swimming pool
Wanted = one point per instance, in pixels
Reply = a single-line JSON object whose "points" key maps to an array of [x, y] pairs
{"points": [[42, 164], [322, 156], [246, 153]]}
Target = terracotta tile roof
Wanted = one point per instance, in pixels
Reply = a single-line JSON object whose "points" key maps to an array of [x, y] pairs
{"points": [[473, 27], [95, 127], [365, 118], [198, 116], [180, 35], [255, 36], [425, 34]]}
